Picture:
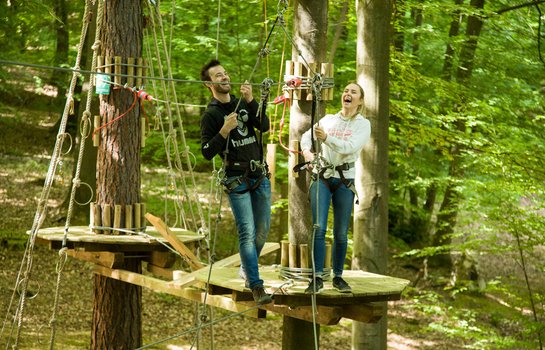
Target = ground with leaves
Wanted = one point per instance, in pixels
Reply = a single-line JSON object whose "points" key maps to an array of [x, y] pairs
{"points": [[428, 317]]}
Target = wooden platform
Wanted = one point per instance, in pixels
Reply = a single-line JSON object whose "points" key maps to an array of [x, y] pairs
{"points": [[225, 289], [81, 237]]}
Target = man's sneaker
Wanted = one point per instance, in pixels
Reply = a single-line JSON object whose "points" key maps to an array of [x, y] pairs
{"points": [[341, 285], [315, 288], [260, 296]]}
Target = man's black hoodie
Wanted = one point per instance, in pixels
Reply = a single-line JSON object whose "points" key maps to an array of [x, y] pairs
{"points": [[244, 145]]}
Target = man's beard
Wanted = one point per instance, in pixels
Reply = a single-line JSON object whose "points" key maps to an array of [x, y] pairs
{"points": [[224, 89]]}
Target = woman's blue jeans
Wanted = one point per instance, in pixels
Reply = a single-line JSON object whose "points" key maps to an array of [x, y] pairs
{"points": [[252, 212], [343, 202]]}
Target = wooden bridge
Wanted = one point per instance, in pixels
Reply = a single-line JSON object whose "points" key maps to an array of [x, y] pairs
{"points": [[225, 289]]}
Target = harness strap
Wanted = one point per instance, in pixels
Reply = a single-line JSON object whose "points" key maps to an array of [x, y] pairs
{"points": [[349, 184], [247, 166]]}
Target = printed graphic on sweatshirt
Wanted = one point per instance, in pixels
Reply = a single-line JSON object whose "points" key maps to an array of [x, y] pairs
{"points": [[242, 118]]}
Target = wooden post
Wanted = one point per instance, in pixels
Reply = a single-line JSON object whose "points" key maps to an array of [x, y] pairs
{"points": [[128, 216], [285, 255], [130, 71], [271, 161], [293, 255], [303, 253]]}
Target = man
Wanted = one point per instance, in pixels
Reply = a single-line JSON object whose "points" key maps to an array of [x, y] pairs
{"points": [[228, 128]]}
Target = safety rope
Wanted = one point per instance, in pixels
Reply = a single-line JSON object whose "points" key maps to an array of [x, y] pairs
{"points": [[76, 182], [219, 320], [25, 271], [171, 91]]}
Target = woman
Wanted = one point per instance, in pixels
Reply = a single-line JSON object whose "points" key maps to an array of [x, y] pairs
{"points": [[341, 137]]}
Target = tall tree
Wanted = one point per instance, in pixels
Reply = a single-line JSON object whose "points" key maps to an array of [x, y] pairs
{"points": [[117, 309], [62, 42], [371, 215], [310, 39], [446, 218]]}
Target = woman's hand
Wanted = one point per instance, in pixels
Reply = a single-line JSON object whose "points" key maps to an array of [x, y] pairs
{"points": [[319, 133]]}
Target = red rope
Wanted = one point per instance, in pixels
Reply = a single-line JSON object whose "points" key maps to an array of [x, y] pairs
{"points": [[120, 116], [286, 101]]}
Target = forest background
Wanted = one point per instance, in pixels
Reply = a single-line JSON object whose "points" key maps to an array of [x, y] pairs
{"points": [[466, 142]]}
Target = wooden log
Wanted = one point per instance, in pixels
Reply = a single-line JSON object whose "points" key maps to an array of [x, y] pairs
{"points": [[128, 217], [161, 259], [298, 71], [289, 72], [95, 212], [139, 64], [107, 65], [285, 254], [117, 219], [107, 218], [143, 215], [106, 259], [303, 253], [310, 75], [138, 216], [143, 132], [130, 71], [117, 70], [327, 259], [271, 161], [327, 72], [180, 247], [293, 255], [96, 135]]}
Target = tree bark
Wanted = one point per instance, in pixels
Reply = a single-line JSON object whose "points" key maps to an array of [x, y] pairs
{"points": [[310, 38], [61, 50], [117, 319], [371, 215]]}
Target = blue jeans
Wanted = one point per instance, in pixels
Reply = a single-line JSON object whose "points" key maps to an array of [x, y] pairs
{"points": [[252, 212], [343, 201]]}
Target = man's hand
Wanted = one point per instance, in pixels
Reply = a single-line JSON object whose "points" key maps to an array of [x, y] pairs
{"points": [[230, 122], [246, 92]]}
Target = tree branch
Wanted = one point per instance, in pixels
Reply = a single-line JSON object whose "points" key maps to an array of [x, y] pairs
{"points": [[516, 7]]}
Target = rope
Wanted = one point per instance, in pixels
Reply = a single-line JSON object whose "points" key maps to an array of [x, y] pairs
{"points": [[26, 267], [218, 30], [208, 324], [94, 73]]}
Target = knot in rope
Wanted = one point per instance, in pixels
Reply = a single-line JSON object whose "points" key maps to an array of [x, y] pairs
{"points": [[256, 164], [86, 114], [266, 88], [96, 45], [264, 52]]}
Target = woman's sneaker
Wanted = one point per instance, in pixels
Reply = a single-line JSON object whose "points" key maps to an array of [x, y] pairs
{"points": [[341, 285], [260, 296], [311, 289]]}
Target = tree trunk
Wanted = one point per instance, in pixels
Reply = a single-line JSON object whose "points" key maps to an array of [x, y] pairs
{"points": [[446, 219], [453, 32], [61, 52], [310, 38], [117, 319], [371, 215]]}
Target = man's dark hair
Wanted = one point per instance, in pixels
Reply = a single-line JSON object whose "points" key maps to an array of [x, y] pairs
{"points": [[205, 75]]}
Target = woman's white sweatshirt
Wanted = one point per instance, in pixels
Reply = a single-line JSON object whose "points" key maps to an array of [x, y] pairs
{"points": [[345, 138]]}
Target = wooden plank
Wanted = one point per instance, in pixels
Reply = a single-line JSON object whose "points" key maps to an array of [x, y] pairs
{"points": [[325, 315], [183, 291], [107, 259], [180, 247], [161, 259], [366, 313], [234, 260]]}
